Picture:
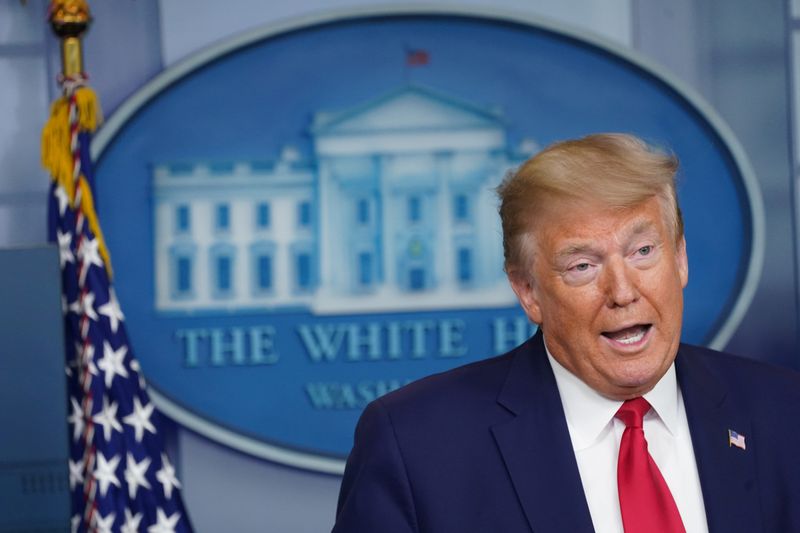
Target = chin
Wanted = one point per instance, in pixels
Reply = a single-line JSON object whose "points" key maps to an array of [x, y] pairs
{"points": [[636, 375]]}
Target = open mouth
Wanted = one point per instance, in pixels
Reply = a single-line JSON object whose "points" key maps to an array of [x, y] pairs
{"points": [[629, 336]]}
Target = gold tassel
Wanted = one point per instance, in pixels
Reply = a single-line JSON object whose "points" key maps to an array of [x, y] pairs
{"points": [[89, 112], [57, 155]]}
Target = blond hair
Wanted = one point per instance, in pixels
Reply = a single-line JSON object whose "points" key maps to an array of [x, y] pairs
{"points": [[615, 169]]}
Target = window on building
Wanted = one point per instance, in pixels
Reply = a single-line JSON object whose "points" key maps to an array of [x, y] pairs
{"points": [[264, 272], [221, 167], [224, 267], [362, 214], [182, 218], [262, 267], [365, 268], [263, 215], [182, 271], [183, 275], [304, 214], [414, 208], [461, 207], [303, 270], [222, 219], [180, 169], [416, 278], [464, 265]]}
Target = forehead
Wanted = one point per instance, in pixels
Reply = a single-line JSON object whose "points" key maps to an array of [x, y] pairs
{"points": [[568, 223]]}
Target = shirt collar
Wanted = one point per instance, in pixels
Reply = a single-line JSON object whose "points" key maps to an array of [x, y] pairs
{"points": [[589, 413]]}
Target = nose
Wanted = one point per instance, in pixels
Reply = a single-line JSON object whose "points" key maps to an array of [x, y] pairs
{"points": [[619, 283]]}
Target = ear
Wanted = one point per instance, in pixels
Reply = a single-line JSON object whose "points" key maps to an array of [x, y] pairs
{"points": [[525, 288], [683, 261]]}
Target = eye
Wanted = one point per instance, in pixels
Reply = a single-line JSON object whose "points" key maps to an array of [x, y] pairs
{"points": [[581, 269], [645, 250], [580, 273]]}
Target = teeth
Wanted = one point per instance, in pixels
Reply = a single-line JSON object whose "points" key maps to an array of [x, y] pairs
{"points": [[632, 339], [631, 336]]}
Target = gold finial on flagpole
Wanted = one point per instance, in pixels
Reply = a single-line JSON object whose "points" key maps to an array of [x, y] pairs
{"points": [[70, 19]]}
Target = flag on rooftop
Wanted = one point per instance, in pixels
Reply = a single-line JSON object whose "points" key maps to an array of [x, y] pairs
{"points": [[416, 57]]}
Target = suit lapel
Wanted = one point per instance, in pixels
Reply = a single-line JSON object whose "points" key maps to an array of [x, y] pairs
{"points": [[727, 473], [536, 446]]}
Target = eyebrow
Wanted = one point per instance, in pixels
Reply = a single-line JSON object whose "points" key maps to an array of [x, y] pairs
{"points": [[643, 226], [576, 249]]}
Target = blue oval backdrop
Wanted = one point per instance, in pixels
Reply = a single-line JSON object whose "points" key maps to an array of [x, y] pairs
{"points": [[305, 220]]}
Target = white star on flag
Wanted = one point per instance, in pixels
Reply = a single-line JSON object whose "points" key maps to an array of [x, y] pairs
{"points": [[140, 419], [112, 362], [166, 476], [135, 474], [104, 473], [131, 524], [163, 523], [64, 251], [63, 201], [74, 307], [87, 306], [89, 253], [108, 419], [75, 523], [104, 524], [111, 310], [75, 473], [76, 418]]}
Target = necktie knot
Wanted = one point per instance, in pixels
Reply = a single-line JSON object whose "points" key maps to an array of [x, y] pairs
{"points": [[632, 412]]}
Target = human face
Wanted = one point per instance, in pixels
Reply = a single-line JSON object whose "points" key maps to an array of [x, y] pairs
{"points": [[606, 288]]}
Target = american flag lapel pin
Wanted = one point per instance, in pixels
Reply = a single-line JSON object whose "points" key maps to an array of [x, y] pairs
{"points": [[735, 439]]}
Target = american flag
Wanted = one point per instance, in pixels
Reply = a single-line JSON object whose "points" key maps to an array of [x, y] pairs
{"points": [[416, 57], [735, 439], [120, 478]]}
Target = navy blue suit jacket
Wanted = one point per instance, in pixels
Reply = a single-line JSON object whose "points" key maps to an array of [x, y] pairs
{"points": [[486, 448]]}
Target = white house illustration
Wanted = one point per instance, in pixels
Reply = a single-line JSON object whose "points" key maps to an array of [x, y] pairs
{"points": [[395, 210]]}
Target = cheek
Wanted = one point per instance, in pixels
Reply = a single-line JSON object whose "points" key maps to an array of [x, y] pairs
{"points": [[666, 296], [576, 310], [572, 310]]}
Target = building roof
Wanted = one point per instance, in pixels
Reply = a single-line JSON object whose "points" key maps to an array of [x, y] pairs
{"points": [[412, 107]]}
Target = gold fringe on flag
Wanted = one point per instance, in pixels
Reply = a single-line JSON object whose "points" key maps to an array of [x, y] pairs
{"points": [[57, 156]]}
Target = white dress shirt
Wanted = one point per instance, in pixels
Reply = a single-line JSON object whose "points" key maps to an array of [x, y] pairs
{"points": [[596, 434]]}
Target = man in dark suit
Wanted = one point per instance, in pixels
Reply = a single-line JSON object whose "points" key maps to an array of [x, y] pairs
{"points": [[602, 421]]}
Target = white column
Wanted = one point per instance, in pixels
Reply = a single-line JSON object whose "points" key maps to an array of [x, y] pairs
{"points": [[326, 224], [388, 222], [445, 264]]}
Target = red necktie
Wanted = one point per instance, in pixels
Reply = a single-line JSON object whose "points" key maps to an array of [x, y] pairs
{"points": [[644, 497]]}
